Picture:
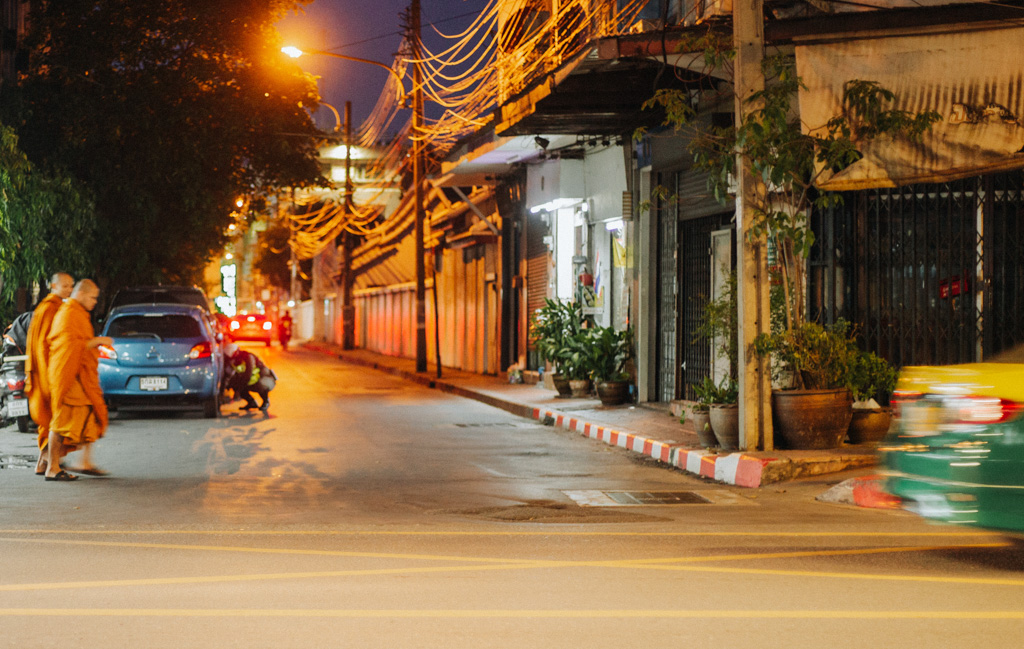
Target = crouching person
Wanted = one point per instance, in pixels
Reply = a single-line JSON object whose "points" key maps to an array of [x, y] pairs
{"points": [[249, 375]]}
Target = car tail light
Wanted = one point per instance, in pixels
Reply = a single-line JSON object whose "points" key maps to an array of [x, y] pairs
{"points": [[267, 325], [108, 352], [202, 350], [234, 325], [251, 318], [15, 384]]}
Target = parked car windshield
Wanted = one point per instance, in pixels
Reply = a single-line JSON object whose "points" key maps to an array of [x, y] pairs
{"points": [[162, 327]]}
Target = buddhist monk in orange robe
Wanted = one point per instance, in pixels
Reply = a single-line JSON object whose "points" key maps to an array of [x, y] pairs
{"points": [[37, 382], [79, 412]]}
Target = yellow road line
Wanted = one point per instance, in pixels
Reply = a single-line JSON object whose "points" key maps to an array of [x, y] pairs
{"points": [[515, 614], [170, 581], [987, 581], [484, 563], [650, 562], [960, 532], [819, 553], [291, 551]]}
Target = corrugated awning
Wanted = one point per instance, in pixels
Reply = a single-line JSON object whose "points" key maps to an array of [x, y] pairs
{"points": [[973, 79]]}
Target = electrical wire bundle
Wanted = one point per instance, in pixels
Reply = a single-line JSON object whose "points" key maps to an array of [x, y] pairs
{"points": [[506, 49]]}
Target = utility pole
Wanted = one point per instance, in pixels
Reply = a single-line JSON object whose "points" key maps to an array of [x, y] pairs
{"points": [[417, 179], [753, 284], [348, 309]]}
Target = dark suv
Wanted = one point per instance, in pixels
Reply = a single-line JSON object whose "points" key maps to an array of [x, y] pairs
{"points": [[166, 294], [160, 294]]}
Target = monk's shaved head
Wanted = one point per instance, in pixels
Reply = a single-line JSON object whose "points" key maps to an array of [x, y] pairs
{"points": [[86, 292], [61, 283], [83, 286]]}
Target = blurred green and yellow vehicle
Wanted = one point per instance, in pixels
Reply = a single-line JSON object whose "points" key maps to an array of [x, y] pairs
{"points": [[957, 452]]}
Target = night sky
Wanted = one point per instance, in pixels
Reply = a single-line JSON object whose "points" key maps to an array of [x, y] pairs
{"points": [[368, 29]]}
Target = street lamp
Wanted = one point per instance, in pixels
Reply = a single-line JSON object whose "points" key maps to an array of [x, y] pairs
{"points": [[418, 171], [295, 53]]}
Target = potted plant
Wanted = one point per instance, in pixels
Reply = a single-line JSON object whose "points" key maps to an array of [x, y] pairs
{"points": [[574, 360], [870, 376], [550, 330], [723, 411], [700, 416], [813, 363], [608, 351]]}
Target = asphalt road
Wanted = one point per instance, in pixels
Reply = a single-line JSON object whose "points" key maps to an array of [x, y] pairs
{"points": [[366, 511]]}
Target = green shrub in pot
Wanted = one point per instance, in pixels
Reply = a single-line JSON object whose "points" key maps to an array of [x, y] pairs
{"points": [[552, 326], [870, 376]]}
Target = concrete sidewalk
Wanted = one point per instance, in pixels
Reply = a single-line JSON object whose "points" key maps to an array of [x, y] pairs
{"points": [[649, 429]]}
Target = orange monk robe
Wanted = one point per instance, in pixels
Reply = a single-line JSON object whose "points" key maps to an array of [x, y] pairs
{"points": [[37, 383], [79, 412]]}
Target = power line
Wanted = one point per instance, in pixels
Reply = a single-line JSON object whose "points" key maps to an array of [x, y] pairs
{"points": [[400, 32]]}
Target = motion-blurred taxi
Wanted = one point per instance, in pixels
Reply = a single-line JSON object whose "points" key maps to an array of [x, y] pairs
{"points": [[252, 326], [957, 454]]}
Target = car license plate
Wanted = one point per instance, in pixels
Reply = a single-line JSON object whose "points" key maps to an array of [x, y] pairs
{"points": [[17, 408], [153, 383]]}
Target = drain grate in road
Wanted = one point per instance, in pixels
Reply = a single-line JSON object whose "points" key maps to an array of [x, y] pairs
{"points": [[657, 497], [500, 424], [618, 498]]}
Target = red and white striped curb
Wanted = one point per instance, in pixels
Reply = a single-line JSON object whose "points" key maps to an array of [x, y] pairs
{"points": [[735, 468]]}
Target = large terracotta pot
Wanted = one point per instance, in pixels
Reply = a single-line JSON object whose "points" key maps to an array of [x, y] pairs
{"points": [[811, 419], [580, 387], [725, 422], [869, 425], [613, 393], [561, 384], [702, 424]]}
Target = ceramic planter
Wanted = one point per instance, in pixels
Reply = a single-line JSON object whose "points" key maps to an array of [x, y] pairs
{"points": [[580, 388], [725, 423], [702, 424], [613, 393], [811, 419], [869, 425], [561, 384]]}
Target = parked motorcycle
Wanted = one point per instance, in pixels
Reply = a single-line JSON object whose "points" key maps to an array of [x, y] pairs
{"points": [[13, 401]]}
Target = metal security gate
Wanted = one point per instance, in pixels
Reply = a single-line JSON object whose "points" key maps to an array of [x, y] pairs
{"points": [[668, 291], [1004, 262], [695, 250], [930, 274]]}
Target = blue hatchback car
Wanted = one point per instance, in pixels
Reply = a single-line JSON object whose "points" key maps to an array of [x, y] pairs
{"points": [[165, 356]]}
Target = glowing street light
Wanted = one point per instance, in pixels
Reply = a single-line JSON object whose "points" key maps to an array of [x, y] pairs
{"points": [[295, 53], [417, 143]]}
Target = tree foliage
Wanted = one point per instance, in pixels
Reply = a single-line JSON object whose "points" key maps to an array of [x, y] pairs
{"points": [[46, 223], [787, 160], [168, 112], [272, 260]]}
